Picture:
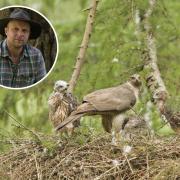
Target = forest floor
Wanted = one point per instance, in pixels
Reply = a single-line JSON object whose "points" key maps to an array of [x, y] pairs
{"points": [[144, 157]]}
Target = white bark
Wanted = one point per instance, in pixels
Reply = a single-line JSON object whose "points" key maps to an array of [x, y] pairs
{"points": [[154, 80]]}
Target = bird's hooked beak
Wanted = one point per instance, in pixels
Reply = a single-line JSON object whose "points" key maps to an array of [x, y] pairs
{"points": [[65, 88], [135, 80], [61, 88]]}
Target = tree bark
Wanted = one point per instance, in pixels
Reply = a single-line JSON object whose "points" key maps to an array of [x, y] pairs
{"points": [[84, 45], [153, 78]]}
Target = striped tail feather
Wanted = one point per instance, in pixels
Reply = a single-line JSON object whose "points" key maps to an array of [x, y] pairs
{"points": [[83, 109], [68, 120]]}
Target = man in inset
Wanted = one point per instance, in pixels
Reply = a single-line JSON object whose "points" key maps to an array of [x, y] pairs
{"points": [[21, 65]]}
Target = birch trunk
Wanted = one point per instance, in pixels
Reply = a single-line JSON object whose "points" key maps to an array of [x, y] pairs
{"points": [[154, 81]]}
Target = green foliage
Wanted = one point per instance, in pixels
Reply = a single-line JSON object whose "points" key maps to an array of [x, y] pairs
{"points": [[160, 127], [165, 130], [113, 55], [4, 147], [49, 147]]}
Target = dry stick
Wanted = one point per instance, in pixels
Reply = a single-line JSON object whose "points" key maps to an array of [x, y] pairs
{"points": [[71, 153], [114, 167], [38, 170], [128, 163], [22, 126], [147, 162], [84, 46], [102, 175]]}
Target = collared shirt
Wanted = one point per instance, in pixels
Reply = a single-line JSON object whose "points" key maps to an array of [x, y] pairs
{"points": [[29, 70]]}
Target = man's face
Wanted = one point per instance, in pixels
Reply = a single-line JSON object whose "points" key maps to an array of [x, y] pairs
{"points": [[17, 33]]}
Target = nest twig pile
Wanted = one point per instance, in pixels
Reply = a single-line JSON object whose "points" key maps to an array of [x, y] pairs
{"points": [[149, 158]]}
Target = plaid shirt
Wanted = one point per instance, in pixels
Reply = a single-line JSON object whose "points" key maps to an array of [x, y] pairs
{"points": [[29, 70]]}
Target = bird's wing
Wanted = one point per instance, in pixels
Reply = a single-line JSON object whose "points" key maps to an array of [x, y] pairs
{"points": [[82, 109], [118, 98]]}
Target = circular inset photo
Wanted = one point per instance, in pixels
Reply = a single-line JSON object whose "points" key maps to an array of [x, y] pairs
{"points": [[28, 47]]}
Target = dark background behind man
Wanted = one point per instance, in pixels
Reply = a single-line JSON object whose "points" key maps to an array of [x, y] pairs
{"points": [[46, 42]]}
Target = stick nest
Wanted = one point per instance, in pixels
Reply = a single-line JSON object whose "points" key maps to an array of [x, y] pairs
{"points": [[95, 158]]}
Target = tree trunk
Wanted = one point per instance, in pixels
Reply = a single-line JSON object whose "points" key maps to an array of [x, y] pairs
{"points": [[84, 45], [154, 81]]}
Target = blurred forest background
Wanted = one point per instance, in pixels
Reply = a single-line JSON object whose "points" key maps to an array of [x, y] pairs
{"points": [[113, 55]]}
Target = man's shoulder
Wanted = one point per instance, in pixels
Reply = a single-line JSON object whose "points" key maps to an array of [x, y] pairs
{"points": [[32, 50]]}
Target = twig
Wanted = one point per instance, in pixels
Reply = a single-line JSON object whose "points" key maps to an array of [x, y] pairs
{"points": [[22, 126], [72, 152], [138, 115], [128, 163], [99, 177], [87, 9], [148, 157], [147, 162], [39, 173]]}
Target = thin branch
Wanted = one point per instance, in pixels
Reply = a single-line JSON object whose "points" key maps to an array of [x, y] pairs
{"points": [[22, 126], [84, 45], [147, 166], [103, 174], [38, 169], [129, 163]]}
